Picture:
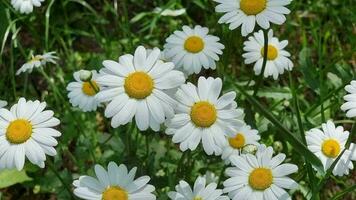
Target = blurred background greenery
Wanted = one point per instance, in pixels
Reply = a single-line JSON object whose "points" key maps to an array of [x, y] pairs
{"points": [[322, 42]]}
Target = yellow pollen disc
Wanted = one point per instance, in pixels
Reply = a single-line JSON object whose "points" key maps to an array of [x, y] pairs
{"points": [[138, 85], [331, 148], [194, 44], [203, 114], [198, 198], [272, 52], [260, 178], [19, 131], [114, 193], [36, 58], [252, 7], [238, 141], [88, 88]]}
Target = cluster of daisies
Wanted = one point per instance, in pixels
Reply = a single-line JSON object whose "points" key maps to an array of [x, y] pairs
{"points": [[149, 88]]}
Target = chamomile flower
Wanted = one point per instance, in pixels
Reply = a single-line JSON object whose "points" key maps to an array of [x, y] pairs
{"points": [[38, 61], [27, 130], [136, 86], [260, 176], [2, 103], [200, 191], [246, 13], [26, 6], [277, 57], [115, 183], [83, 93], [243, 136], [192, 49], [202, 116], [327, 144], [350, 105]]}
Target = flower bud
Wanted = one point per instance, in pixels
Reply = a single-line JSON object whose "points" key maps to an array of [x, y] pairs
{"points": [[249, 149], [85, 75], [277, 146]]}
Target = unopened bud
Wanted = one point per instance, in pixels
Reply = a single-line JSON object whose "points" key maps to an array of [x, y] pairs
{"points": [[85, 75], [277, 146], [249, 149]]}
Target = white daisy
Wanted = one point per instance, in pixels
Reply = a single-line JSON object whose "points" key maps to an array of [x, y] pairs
{"points": [[115, 183], [202, 116], [2, 103], [169, 12], [25, 6], [192, 49], [350, 105], [201, 191], [243, 136], [38, 61], [277, 58], [327, 144], [248, 12], [27, 130], [136, 86], [83, 93], [260, 176]]}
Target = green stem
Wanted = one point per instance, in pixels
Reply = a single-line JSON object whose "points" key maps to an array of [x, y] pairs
{"points": [[264, 63], [66, 185]]}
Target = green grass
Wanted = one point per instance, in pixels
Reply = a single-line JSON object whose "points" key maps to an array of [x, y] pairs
{"points": [[322, 42]]}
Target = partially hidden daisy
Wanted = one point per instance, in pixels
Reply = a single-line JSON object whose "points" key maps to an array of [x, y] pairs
{"points": [[192, 49], [136, 86], [350, 105], [2, 103], [327, 144], [26, 6], [246, 13], [200, 191], [201, 115], [114, 183], [38, 61], [26, 130], [243, 135], [260, 176], [82, 93], [277, 58]]}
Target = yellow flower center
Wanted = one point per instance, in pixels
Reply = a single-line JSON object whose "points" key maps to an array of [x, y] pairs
{"points": [[260, 178], [90, 89], [194, 44], [331, 148], [238, 141], [198, 198], [138, 85], [115, 193], [252, 7], [203, 114], [272, 52], [19, 131], [36, 58]]}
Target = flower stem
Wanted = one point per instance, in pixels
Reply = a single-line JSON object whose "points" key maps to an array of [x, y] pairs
{"points": [[65, 185], [264, 63]]}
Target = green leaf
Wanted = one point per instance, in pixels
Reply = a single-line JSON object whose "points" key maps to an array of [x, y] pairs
{"points": [[309, 70], [12, 177]]}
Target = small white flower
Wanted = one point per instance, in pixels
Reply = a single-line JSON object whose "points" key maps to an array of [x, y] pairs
{"points": [[350, 105], [26, 6], [83, 93], [260, 176], [243, 136], [192, 49], [169, 12], [246, 13], [277, 58], [115, 183], [27, 130], [38, 61], [327, 144], [201, 115], [3, 104], [200, 191]]}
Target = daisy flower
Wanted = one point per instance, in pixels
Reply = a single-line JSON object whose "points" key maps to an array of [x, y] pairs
{"points": [[83, 93], [27, 130], [115, 183], [192, 49], [38, 61], [246, 13], [243, 136], [2, 103], [202, 116], [260, 176], [136, 86], [350, 105], [277, 58], [327, 144], [25, 6], [200, 191]]}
